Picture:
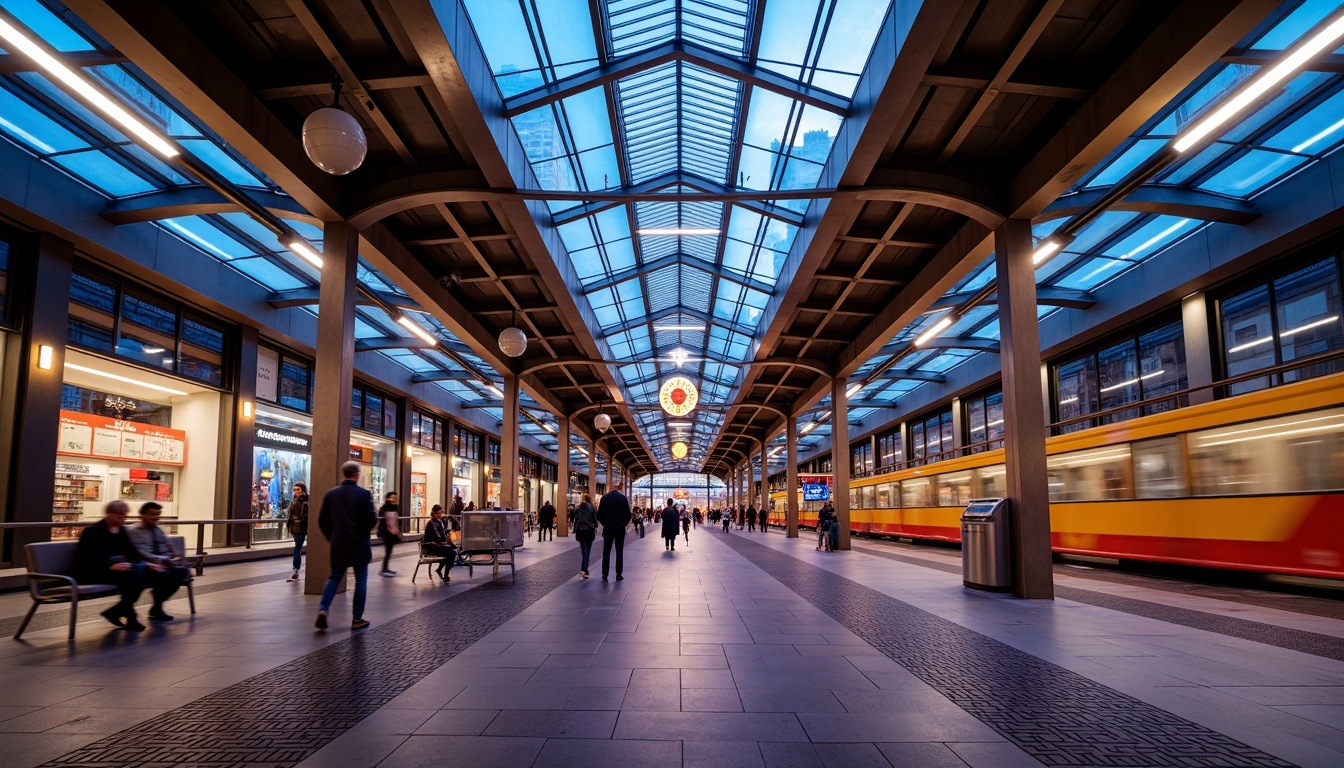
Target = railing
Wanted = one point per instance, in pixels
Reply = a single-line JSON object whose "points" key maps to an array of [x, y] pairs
{"points": [[1179, 397]]}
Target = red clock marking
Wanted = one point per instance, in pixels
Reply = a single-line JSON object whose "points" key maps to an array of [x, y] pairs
{"points": [[678, 395]]}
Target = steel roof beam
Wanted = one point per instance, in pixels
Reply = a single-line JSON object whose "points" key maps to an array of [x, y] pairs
{"points": [[909, 374], [647, 192], [672, 51], [704, 317], [1046, 296], [307, 296], [1185, 202], [662, 262], [174, 202]]}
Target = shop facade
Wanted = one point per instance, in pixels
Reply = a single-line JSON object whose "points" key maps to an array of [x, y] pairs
{"points": [[468, 474]]}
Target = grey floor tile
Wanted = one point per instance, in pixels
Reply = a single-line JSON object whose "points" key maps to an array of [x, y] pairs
{"points": [[707, 678], [722, 754], [608, 753], [921, 754], [354, 750], [484, 751], [458, 722], [710, 700], [787, 699], [790, 755], [652, 698], [851, 756], [880, 727], [1002, 755], [553, 725], [716, 726]]}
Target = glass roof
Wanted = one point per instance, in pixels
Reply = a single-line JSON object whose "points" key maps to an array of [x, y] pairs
{"points": [[677, 287], [39, 117], [1301, 123]]}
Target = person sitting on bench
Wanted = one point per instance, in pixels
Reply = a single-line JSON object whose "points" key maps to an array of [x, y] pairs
{"points": [[152, 544], [105, 555], [437, 544]]}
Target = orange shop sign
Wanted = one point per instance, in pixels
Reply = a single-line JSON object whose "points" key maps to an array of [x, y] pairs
{"points": [[84, 434], [681, 494]]}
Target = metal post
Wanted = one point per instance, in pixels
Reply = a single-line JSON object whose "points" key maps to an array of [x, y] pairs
{"points": [[508, 446], [562, 477], [840, 455], [791, 477], [1023, 417]]}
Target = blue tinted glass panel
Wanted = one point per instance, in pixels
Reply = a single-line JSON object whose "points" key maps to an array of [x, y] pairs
{"points": [[1252, 172], [103, 173]]}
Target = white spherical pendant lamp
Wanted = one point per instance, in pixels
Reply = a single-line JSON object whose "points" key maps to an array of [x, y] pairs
{"points": [[512, 341], [334, 141], [602, 421]]}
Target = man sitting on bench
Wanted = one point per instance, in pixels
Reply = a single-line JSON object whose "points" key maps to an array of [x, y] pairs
{"points": [[437, 544], [105, 555], [152, 544]]}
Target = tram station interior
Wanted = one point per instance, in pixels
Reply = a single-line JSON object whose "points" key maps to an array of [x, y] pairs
{"points": [[1017, 322]]}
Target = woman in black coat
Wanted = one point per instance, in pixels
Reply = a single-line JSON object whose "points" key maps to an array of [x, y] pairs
{"points": [[585, 531], [671, 527]]}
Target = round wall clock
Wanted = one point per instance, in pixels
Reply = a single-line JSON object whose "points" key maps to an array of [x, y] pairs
{"points": [[678, 396], [679, 450]]}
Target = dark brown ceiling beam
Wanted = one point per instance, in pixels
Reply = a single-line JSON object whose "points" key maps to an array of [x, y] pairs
{"points": [[196, 201], [374, 75], [1043, 90]]}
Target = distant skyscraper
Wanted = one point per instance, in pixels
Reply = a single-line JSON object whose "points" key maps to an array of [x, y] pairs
{"points": [[538, 133]]}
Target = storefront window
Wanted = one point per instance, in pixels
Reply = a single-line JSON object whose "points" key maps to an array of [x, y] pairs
{"points": [[378, 461], [284, 379], [281, 457], [127, 433], [372, 412], [427, 466]]}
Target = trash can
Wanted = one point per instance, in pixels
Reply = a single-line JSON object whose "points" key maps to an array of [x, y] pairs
{"points": [[984, 545]]}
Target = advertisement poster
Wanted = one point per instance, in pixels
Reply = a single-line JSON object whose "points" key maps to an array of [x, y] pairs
{"points": [[84, 434]]}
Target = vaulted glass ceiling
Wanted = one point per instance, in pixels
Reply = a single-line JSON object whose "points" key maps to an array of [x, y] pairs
{"points": [[42, 119], [1302, 122], [677, 287]]}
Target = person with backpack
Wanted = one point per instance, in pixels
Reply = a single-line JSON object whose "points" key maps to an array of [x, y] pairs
{"points": [[585, 531]]}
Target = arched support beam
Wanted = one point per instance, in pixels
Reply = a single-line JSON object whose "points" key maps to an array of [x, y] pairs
{"points": [[1185, 202], [680, 179], [1046, 296], [307, 296], [392, 197], [198, 201]]}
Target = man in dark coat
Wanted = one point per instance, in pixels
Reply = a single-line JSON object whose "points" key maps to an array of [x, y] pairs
{"points": [[671, 526], [546, 518], [764, 517], [751, 517], [613, 512], [105, 555], [346, 519]]}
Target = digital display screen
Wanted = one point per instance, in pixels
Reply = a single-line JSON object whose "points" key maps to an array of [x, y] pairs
{"points": [[816, 492], [979, 510]]}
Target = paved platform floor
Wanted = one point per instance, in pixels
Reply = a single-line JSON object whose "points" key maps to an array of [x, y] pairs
{"points": [[738, 649]]}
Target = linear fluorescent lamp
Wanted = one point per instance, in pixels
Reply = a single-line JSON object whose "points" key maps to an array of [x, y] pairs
{"points": [[1258, 86], [808, 427], [1045, 250], [492, 389], [700, 327], [125, 379], [1285, 334], [855, 389], [677, 231], [85, 89], [937, 328], [406, 322], [300, 247]]}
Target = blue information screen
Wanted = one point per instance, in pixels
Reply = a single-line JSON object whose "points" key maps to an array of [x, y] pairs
{"points": [[816, 492]]}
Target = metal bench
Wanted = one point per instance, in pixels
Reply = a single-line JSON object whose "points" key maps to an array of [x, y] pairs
{"points": [[51, 579]]}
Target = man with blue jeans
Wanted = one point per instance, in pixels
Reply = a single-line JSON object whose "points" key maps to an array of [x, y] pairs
{"points": [[347, 518]]}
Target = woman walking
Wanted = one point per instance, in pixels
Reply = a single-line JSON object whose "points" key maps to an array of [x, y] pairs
{"points": [[670, 527], [585, 530], [389, 530], [686, 527], [298, 525]]}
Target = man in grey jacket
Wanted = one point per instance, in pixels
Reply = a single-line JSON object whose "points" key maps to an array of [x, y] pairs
{"points": [[166, 574], [346, 519]]}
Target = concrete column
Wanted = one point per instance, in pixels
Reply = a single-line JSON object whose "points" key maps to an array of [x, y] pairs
{"points": [[403, 486], [508, 446], [594, 450], [562, 479], [958, 424], [840, 455], [333, 375], [1023, 418], [764, 493], [235, 465], [32, 394], [791, 476], [1198, 346]]}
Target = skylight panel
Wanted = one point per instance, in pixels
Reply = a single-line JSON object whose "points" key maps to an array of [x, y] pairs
{"points": [[1252, 172], [1314, 133], [268, 274]]}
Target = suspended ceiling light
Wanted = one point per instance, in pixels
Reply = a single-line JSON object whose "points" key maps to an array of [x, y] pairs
{"points": [[679, 327], [300, 247], [602, 421], [84, 88], [1324, 39], [512, 340], [677, 231], [334, 139], [406, 322], [936, 329]]}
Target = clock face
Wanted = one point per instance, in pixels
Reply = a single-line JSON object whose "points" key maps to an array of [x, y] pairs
{"points": [[678, 450], [678, 396]]}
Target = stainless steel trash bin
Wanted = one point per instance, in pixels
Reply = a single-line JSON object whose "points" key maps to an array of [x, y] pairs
{"points": [[984, 545]]}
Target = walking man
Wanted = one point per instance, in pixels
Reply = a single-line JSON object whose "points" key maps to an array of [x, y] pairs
{"points": [[346, 518], [546, 518], [613, 512]]}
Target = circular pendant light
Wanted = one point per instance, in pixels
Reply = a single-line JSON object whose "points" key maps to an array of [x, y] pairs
{"points": [[333, 138], [512, 341], [678, 396], [679, 450], [602, 421]]}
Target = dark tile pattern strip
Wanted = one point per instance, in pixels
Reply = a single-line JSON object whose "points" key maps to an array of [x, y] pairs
{"points": [[1057, 716], [1313, 643], [280, 717]]}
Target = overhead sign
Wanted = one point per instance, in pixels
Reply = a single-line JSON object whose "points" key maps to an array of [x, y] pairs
{"points": [[678, 396], [679, 450], [282, 438], [85, 434], [681, 494]]}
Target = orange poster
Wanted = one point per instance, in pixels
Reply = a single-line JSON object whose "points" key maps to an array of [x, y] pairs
{"points": [[84, 434]]}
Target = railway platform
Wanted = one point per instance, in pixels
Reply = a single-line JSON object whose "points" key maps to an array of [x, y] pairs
{"points": [[736, 650]]}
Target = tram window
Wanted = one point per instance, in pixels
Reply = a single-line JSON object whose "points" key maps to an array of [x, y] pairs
{"points": [[917, 492], [954, 489], [1158, 471], [868, 497], [992, 482], [1304, 452], [1098, 474], [1308, 308], [884, 496], [854, 498]]}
